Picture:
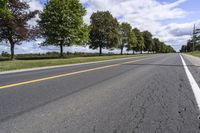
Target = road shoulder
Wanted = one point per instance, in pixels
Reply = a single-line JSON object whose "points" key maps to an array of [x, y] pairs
{"points": [[193, 59], [193, 64]]}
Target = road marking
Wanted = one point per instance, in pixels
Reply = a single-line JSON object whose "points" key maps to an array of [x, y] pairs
{"points": [[68, 74], [193, 83]]}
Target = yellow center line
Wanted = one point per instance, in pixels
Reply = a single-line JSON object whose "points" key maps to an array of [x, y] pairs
{"points": [[68, 74]]}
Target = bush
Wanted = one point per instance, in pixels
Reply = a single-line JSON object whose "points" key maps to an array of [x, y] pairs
{"points": [[5, 54]]}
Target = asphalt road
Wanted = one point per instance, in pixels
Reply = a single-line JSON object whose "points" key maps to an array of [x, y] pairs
{"points": [[138, 95]]}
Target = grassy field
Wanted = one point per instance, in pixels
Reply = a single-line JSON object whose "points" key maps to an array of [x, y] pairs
{"points": [[196, 53], [24, 64]]}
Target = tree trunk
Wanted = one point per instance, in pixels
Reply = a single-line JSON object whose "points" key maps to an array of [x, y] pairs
{"points": [[133, 51], [141, 50], [122, 48], [61, 50], [12, 47], [100, 50], [12, 51]]}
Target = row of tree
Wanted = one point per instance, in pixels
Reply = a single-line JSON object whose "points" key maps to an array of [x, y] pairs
{"points": [[192, 45], [135, 40], [61, 24]]}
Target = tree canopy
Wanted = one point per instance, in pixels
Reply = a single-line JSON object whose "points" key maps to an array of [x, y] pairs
{"points": [[61, 23], [128, 38], [104, 31], [157, 45], [15, 29], [161, 47], [148, 41], [193, 44], [140, 40], [4, 12], [125, 29]]}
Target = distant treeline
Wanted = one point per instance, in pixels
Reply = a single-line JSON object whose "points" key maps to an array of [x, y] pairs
{"points": [[193, 44], [61, 24], [5, 56]]}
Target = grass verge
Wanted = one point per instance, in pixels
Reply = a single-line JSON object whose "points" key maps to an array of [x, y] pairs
{"points": [[25, 64], [196, 53]]}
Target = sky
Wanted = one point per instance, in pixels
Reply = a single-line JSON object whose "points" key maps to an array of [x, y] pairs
{"points": [[171, 21]]}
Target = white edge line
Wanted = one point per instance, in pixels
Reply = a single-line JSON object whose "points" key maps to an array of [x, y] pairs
{"points": [[193, 83], [61, 66]]}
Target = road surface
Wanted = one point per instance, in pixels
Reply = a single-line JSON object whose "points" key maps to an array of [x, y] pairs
{"points": [[150, 94]]}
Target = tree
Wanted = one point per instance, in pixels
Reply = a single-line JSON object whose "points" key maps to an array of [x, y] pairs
{"points": [[125, 29], [162, 47], [140, 40], [157, 45], [169, 49], [15, 29], [61, 23], [132, 41], [197, 42], [183, 49], [104, 31], [190, 46], [153, 46], [148, 41], [193, 44]]}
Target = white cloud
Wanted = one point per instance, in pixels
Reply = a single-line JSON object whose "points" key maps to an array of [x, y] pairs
{"points": [[137, 10], [177, 34], [34, 5]]}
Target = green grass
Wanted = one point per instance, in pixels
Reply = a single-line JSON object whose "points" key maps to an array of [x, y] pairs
{"points": [[196, 53], [3, 58], [24, 64]]}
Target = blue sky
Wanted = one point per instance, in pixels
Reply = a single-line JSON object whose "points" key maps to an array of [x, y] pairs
{"points": [[190, 6], [42, 1], [170, 20]]}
